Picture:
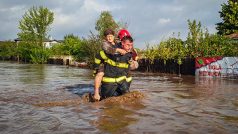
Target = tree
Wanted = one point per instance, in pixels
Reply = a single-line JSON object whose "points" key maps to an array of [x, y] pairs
{"points": [[70, 43], [151, 53], [229, 16], [58, 49], [195, 35], [7, 49], [24, 50], [104, 22], [91, 47], [173, 48], [35, 25], [34, 28], [73, 46], [164, 51], [219, 45], [39, 55]]}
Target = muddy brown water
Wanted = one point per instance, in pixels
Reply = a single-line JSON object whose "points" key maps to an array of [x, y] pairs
{"points": [[48, 99]]}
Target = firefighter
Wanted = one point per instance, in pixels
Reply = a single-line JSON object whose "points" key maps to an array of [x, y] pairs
{"points": [[116, 80]]}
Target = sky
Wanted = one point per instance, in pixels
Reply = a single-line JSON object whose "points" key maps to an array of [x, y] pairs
{"points": [[149, 21]]}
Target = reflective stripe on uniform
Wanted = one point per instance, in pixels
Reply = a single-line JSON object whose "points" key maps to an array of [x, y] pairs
{"points": [[117, 64], [103, 55], [111, 62], [128, 79], [114, 80], [97, 61]]}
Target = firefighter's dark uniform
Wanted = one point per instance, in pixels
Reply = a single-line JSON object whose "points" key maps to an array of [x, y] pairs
{"points": [[116, 80]]}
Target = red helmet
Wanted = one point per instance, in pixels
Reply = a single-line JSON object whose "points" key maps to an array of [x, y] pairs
{"points": [[122, 33]]}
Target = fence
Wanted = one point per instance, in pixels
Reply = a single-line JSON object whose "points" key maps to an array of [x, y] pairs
{"points": [[186, 68]]}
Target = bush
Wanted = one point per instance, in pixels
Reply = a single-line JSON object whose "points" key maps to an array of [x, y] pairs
{"points": [[8, 49], [90, 47], [39, 55]]}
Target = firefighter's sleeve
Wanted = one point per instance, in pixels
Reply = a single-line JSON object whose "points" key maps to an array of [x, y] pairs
{"points": [[98, 64]]}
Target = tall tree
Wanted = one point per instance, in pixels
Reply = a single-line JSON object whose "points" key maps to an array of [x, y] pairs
{"points": [[34, 27], [229, 16], [195, 35], [104, 22], [35, 24]]}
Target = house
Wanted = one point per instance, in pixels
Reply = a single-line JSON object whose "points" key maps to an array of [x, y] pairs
{"points": [[48, 43]]}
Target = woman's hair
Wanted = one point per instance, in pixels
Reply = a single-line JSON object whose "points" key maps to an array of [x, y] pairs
{"points": [[127, 38], [108, 32]]}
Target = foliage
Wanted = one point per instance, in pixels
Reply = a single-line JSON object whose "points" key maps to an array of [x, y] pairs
{"points": [[199, 43], [151, 53], [105, 21], [91, 47], [28, 52], [34, 25], [39, 55], [214, 46], [229, 16], [58, 49], [173, 48], [164, 51], [72, 45], [217, 45], [7, 49], [24, 50], [194, 38]]}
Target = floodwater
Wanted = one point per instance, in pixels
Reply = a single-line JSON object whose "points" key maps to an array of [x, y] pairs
{"points": [[48, 99]]}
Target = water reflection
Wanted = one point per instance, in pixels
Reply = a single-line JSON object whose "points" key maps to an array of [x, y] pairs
{"points": [[31, 74], [114, 118]]}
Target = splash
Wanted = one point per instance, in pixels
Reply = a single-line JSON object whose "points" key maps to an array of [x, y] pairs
{"points": [[130, 97]]}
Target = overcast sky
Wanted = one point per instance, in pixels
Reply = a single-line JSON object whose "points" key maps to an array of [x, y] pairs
{"points": [[150, 21]]}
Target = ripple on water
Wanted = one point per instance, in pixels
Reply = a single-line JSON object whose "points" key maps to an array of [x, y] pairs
{"points": [[26, 119]]}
